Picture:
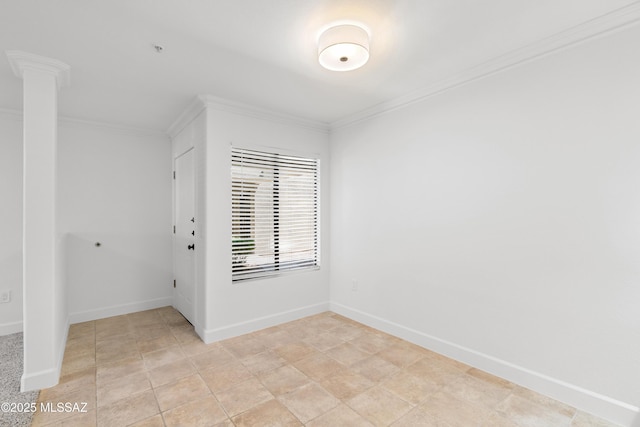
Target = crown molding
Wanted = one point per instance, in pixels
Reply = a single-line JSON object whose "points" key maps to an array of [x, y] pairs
{"points": [[109, 127], [598, 27], [70, 122], [227, 105], [192, 111], [7, 113], [21, 61]]}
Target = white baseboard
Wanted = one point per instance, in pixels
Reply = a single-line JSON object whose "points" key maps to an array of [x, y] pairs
{"points": [[230, 331], [39, 380], [10, 328], [48, 377], [578, 397], [117, 310]]}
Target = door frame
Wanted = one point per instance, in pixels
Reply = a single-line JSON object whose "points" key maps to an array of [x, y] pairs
{"points": [[174, 159]]}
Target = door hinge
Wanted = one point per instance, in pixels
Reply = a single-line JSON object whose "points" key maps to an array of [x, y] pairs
{"points": [[174, 229], [174, 283], [174, 174]]}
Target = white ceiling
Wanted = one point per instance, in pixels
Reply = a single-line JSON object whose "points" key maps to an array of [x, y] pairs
{"points": [[263, 52]]}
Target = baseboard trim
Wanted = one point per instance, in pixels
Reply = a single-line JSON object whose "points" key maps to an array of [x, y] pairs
{"points": [[237, 329], [39, 380], [578, 397], [117, 310], [10, 328], [48, 377]]}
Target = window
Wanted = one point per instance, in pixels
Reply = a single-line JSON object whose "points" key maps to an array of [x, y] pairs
{"points": [[274, 213]]}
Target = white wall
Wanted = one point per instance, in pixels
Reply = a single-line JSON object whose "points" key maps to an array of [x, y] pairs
{"points": [[234, 308], [115, 188], [11, 221], [503, 218]]}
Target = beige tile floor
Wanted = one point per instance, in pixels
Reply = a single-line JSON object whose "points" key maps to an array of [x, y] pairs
{"points": [[151, 369]]}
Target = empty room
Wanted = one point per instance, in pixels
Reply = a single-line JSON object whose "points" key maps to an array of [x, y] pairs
{"points": [[320, 213]]}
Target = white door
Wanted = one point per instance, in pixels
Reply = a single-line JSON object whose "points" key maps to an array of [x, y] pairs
{"points": [[184, 237]]}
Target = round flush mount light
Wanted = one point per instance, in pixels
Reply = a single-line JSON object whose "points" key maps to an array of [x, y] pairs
{"points": [[343, 48]]}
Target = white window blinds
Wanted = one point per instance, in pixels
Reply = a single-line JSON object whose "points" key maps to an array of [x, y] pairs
{"points": [[274, 217]]}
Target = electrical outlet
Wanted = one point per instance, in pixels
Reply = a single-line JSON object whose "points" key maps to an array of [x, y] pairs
{"points": [[354, 285], [5, 296]]}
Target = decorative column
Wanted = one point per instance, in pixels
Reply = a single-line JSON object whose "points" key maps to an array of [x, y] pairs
{"points": [[44, 309]]}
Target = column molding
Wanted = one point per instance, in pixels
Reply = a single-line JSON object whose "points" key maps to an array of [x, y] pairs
{"points": [[44, 310], [22, 61]]}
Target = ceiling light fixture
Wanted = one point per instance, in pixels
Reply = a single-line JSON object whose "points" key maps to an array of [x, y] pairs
{"points": [[343, 48]]}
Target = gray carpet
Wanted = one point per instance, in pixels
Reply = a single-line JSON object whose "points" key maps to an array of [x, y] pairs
{"points": [[10, 374]]}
